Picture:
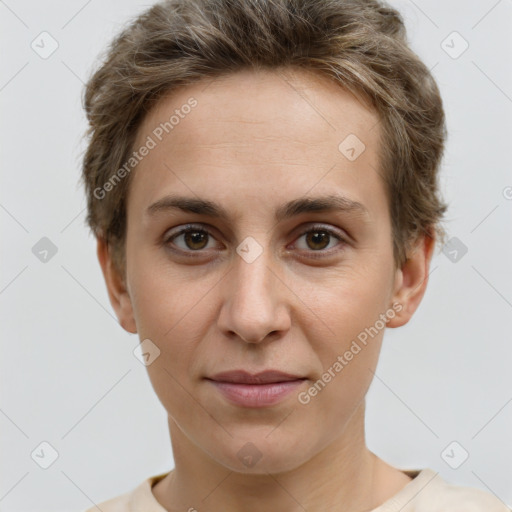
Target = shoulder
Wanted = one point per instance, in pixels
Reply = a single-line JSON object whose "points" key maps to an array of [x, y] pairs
{"points": [[428, 492], [117, 504], [465, 499], [140, 498]]}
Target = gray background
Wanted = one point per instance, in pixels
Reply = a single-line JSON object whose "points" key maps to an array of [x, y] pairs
{"points": [[69, 376]]}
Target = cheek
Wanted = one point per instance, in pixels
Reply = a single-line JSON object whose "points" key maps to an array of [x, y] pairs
{"points": [[356, 331], [349, 359], [347, 301], [174, 319], [351, 306], [161, 294], [171, 307], [172, 314]]}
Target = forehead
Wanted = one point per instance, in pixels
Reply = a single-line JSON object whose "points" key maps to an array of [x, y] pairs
{"points": [[279, 132]]}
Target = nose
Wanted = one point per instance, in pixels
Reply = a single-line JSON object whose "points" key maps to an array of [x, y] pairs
{"points": [[255, 301]]}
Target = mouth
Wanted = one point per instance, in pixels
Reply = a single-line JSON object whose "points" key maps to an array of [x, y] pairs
{"points": [[264, 377], [255, 390]]}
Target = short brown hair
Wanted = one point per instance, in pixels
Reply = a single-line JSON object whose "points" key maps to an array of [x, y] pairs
{"points": [[361, 44]]}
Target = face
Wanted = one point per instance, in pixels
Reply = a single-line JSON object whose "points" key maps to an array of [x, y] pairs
{"points": [[262, 279]]}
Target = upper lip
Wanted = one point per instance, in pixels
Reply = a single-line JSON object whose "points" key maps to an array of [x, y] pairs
{"points": [[264, 377]]}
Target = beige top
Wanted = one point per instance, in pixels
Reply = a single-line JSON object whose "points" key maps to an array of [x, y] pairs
{"points": [[427, 492]]}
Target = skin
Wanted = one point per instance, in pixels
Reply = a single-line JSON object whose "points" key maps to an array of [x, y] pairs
{"points": [[255, 141]]}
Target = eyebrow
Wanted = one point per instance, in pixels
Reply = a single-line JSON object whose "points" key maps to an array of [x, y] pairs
{"points": [[290, 209]]}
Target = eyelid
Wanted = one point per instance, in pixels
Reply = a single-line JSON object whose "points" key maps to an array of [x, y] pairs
{"points": [[184, 228]]}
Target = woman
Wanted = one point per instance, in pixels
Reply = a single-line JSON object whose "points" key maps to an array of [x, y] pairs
{"points": [[262, 180]]}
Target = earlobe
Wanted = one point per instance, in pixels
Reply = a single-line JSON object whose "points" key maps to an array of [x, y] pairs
{"points": [[116, 287], [411, 280]]}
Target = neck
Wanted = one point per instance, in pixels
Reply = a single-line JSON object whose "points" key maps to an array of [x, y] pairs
{"points": [[343, 476]]}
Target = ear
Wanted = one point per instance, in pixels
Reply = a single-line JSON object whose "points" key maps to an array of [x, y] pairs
{"points": [[116, 287], [411, 280]]}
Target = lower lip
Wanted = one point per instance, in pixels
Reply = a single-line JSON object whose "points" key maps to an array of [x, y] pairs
{"points": [[257, 395]]}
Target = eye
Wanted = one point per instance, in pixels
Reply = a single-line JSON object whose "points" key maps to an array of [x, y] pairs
{"points": [[319, 239], [194, 239]]}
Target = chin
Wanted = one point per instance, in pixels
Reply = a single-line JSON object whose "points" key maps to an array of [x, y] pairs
{"points": [[260, 455]]}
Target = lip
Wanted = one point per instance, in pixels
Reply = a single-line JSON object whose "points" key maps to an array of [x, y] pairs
{"points": [[264, 377], [255, 390]]}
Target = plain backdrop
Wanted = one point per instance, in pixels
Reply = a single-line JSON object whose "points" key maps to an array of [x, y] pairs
{"points": [[69, 378]]}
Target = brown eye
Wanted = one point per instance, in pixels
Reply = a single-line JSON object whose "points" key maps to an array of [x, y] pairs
{"points": [[195, 239], [317, 239], [320, 239], [191, 238]]}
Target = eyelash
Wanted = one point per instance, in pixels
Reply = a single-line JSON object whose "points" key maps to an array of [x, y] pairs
{"points": [[191, 228]]}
